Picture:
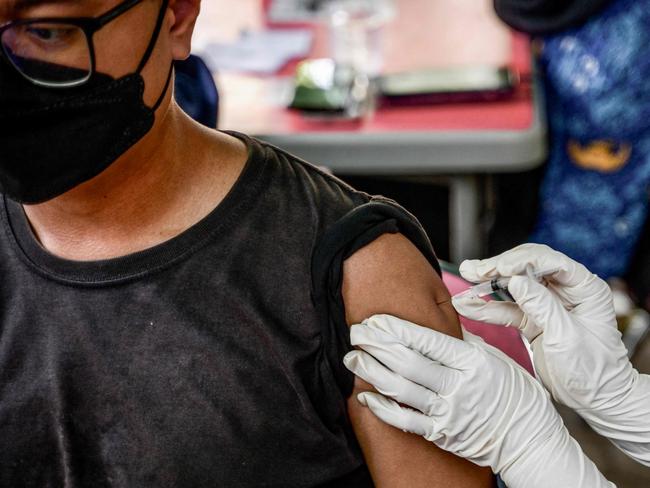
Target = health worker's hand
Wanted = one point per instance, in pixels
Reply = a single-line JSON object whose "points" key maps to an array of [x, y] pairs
{"points": [[578, 353], [470, 399]]}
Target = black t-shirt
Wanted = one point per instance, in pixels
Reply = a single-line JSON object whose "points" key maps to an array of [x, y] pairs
{"points": [[213, 359]]}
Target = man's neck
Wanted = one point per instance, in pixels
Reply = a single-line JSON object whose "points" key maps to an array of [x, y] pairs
{"points": [[166, 183]]}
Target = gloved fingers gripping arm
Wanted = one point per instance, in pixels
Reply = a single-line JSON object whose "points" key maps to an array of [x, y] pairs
{"points": [[562, 464], [577, 348], [470, 399]]}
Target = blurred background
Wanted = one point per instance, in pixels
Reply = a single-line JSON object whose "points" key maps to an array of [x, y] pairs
{"points": [[495, 122]]}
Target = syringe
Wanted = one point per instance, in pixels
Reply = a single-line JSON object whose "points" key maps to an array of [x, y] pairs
{"points": [[501, 284]]}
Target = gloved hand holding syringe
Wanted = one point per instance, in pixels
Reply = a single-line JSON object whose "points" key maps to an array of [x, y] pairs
{"points": [[471, 399], [500, 284]]}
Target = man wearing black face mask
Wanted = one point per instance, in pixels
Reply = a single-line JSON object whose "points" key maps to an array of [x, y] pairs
{"points": [[175, 300]]}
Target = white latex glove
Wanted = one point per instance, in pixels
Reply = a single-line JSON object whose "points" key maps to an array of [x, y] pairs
{"points": [[469, 399], [577, 349]]}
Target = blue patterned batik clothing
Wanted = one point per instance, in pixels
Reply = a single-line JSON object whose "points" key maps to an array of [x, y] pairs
{"points": [[594, 199]]}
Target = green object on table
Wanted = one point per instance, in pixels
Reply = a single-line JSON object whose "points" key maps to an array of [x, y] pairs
{"points": [[317, 87], [322, 86]]}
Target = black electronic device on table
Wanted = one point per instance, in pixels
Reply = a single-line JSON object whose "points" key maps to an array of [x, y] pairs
{"points": [[448, 85]]}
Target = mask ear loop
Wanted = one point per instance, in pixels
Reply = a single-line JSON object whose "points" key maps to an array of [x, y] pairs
{"points": [[154, 37], [149, 51], [164, 92]]}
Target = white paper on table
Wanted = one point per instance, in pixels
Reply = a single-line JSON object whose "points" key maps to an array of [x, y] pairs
{"points": [[264, 52], [296, 10]]}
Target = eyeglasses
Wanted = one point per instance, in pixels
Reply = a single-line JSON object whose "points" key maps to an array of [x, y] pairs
{"points": [[56, 52]]}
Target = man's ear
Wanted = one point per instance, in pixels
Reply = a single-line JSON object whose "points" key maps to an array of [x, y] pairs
{"points": [[185, 13]]}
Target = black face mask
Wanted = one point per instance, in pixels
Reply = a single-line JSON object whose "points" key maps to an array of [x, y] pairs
{"points": [[52, 140]]}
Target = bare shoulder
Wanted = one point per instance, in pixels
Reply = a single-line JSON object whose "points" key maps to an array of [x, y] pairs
{"points": [[391, 276]]}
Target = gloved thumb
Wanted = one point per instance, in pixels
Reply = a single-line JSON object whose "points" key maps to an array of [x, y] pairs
{"points": [[542, 307], [497, 313], [500, 313]]}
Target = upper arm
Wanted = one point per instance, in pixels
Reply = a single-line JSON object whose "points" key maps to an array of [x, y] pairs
{"points": [[390, 276]]}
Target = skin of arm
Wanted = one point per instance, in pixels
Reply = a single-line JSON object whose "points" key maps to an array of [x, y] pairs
{"points": [[391, 276]]}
